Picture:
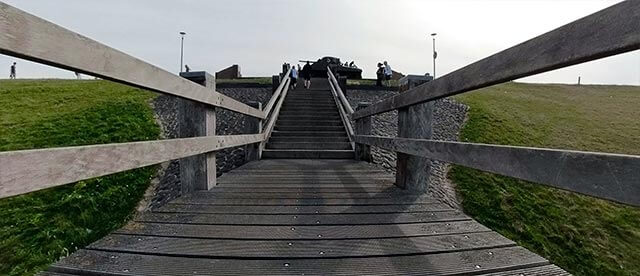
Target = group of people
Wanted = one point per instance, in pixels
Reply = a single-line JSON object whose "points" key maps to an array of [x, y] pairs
{"points": [[306, 75], [383, 73]]}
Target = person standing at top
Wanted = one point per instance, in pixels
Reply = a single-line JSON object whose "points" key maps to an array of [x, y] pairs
{"points": [[12, 72], [379, 74], [387, 73], [306, 74], [294, 77]]}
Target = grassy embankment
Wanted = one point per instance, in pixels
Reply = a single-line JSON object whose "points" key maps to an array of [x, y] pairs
{"points": [[38, 228], [585, 236]]}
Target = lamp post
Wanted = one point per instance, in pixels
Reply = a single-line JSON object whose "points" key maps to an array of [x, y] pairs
{"points": [[435, 54], [181, 50]]}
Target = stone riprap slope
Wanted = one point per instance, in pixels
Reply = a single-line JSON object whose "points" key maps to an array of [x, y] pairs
{"points": [[449, 116]]}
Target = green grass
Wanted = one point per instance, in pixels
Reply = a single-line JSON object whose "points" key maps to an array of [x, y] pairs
{"points": [[581, 234], [39, 228], [393, 83], [258, 80]]}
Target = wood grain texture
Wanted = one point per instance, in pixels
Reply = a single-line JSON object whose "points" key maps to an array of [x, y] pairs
{"points": [[609, 32], [276, 94], [614, 177], [280, 231], [270, 249], [336, 88], [453, 263], [29, 37], [268, 129], [32, 170], [344, 115], [303, 219]]}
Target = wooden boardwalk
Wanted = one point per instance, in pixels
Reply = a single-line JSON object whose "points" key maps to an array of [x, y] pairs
{"points": [[311, 217]]}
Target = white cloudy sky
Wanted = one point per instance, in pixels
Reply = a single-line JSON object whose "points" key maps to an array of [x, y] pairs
{"points": [[260, 35]]}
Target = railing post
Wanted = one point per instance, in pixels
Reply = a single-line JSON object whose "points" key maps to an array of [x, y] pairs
{"points": [[342, 82], [253, 152], [363, 127], [412, 172], [197, 119], [275, 82]]}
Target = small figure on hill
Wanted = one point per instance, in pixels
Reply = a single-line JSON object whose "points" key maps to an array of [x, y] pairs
{"points": [[12, 72], [379, 74], [306, 74], [352, 64], [387, 73], [186, 68], [294, 77]]}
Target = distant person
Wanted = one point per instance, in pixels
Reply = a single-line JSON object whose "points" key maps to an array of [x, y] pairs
{"points": [[387, 73], [78, 76], [294, 77], [379, 74], [299, 69], [186, 68], [306, 74], [12, 72]]}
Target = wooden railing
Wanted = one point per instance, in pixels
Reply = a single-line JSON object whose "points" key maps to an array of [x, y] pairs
{"points": [[344, 108], [26, 36], [614, 177]]}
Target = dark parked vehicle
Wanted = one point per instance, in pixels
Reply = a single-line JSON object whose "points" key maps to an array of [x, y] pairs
{"points": [[319, 68]]}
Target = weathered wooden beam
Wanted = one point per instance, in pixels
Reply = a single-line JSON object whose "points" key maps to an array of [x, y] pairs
{"points": [[274, 116], [614, 177], [364, 126], [197, 172], [609, 32], [338, 91], [344, 116], [29, 37], [412, 172], [253, 152], [32, 170], [276, 94]]}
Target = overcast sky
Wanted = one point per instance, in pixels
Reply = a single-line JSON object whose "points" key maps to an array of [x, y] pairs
{"points": [[260, 35]]}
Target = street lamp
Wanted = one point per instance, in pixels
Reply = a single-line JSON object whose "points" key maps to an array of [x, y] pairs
{"points": [[435, 54], [181, 50]]}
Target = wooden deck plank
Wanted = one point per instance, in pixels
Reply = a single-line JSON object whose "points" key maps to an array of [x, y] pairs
{"points": [[285, 190], [467, 262], [547, 270], [302, 232], [298, 219], [292, 217], [301, 195], [278, 249], [294, 209], [305, 201]]}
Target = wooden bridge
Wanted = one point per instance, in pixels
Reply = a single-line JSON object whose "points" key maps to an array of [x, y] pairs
{"points": [[309, 202]]}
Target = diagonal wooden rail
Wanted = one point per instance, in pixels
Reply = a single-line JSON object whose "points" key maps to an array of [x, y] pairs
{"points": [[614, 177]]}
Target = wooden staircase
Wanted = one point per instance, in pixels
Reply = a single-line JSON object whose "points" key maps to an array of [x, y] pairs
{"points": [[309, 126]]}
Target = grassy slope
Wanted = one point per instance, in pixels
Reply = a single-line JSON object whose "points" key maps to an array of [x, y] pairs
{"points": [[38, 228], [586, 236]]}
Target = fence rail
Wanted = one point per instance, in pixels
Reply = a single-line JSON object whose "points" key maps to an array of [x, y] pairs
{"points": [[29, 37], [344, 108], [609, 32], [614, 177], [32, 170]]}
